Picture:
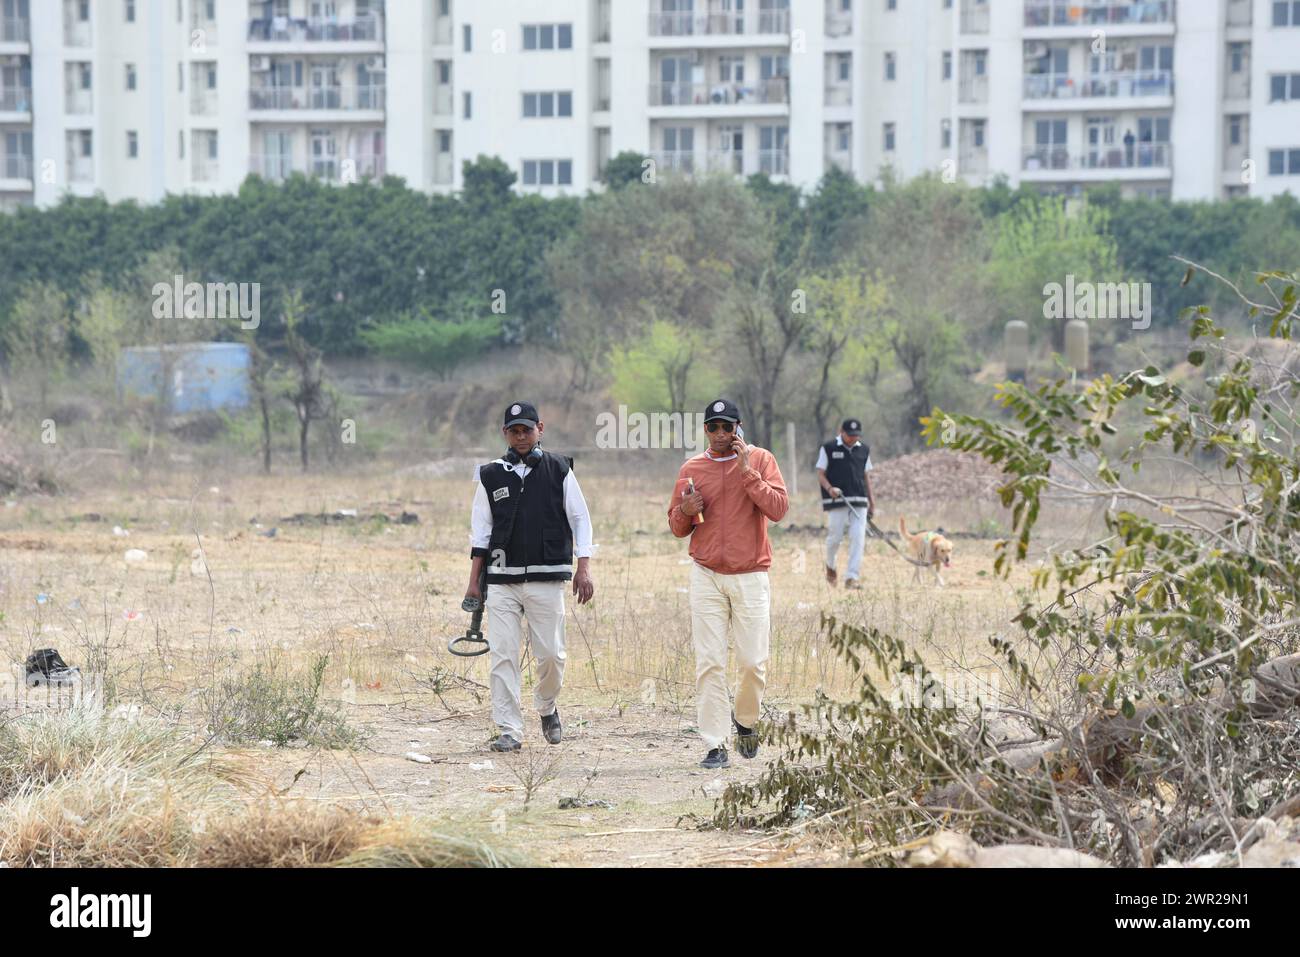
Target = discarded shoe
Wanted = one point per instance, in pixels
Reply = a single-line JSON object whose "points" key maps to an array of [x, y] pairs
{"points": [[46, 666]]}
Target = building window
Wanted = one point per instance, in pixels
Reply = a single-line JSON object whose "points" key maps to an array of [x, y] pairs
{"points": [[890, 66], [548, 36], [889, 137], [130, 76], [1284, 86], [1284, 162], [181, 139], [1286, 13], [130, 11], [548, 172], [548, 104], [469, 37], [947, 64], [945, 134], [469, 105], [132, 144]]}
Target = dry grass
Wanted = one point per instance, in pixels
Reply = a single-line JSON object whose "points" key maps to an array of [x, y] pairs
{"points": [[84, 790], [378, 602]]}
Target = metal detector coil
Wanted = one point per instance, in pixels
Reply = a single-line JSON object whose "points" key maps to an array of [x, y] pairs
{"points": [[472, 643]]}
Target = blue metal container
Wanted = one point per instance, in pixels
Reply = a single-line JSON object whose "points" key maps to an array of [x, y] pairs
{"points": [[202, 376]]}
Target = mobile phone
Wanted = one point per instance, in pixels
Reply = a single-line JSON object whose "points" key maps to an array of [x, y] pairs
{"points": [[740, 432], [690, 490]]}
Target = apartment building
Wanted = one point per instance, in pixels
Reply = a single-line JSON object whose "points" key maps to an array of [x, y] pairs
{"points": [[1192, 99]]}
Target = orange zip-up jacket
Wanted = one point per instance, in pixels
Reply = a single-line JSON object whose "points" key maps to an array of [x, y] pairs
{"points": [[732, 539]]}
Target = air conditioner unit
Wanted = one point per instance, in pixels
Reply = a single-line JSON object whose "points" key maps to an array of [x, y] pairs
{"points": [[259, 64], [1035, 51]]}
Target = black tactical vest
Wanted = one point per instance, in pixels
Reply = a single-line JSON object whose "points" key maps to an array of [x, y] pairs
{"points": [[845, 468], [531, 538]]}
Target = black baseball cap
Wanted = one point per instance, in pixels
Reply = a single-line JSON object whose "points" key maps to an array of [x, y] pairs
{"points": [[723, 409], [521, 413], [852, 427]]}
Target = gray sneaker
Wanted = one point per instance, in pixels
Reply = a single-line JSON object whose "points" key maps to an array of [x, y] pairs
{"points": [[716, 758], [505, 743]]}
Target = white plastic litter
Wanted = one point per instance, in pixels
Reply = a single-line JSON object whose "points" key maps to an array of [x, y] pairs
{"points": [[134, 556], [418, 758], [481, 766]]}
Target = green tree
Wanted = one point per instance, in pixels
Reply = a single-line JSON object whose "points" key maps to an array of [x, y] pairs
{"points": [[626, 169]]}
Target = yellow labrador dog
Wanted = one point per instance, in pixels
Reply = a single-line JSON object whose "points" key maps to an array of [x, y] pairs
{"points": [[928, 547]]}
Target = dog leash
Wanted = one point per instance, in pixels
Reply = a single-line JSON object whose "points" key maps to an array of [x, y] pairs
{"points": [[881, 535]]}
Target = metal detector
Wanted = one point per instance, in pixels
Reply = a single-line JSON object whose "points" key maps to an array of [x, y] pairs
{"points": [[472, 643]]}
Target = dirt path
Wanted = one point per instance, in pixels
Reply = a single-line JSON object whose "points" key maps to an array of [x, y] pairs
{"points": [[645, 764]]}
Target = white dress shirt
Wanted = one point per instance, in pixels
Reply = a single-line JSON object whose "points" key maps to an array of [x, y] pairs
{"points": [[575, 506]]}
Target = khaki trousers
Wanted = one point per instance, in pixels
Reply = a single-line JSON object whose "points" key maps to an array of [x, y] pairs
{"points": [[542, 604], [726, 607]]}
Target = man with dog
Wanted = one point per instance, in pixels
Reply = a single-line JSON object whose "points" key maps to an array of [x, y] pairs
{"points": [[528, 523], [723, 500], [844, 473]]}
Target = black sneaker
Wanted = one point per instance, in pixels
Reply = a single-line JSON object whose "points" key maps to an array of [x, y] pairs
{"points": [[551, 727], [746, 739], [717, 758], [505, 743]]}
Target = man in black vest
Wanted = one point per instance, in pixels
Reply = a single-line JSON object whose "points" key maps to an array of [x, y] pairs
{"points": [[844, 473], [529, 521]]}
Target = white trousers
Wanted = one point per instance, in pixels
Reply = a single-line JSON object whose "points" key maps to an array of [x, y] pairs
{"points": [[542, 604], [723, 607], [842, 521]]}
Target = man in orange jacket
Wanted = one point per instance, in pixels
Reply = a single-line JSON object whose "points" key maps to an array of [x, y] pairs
{"points": [[723, 500]]}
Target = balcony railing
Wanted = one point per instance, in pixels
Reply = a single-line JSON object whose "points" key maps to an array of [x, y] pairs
{"points": [[839, 24], [15, 30], [1049, 86], [81, 169], [843, 161], [15, 167], [1137, 156], [204, 170], [975, 18], [676, 161], [76, 33], [203, 102], [276, 167], [283, 30], [16, 100], [720, 94], [370, 97], [734, 162], [1240, 13], [1082, 13], [719, 24], [974, 160], [774, 162], [973, 89], [78, 102], [839, 95]]}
